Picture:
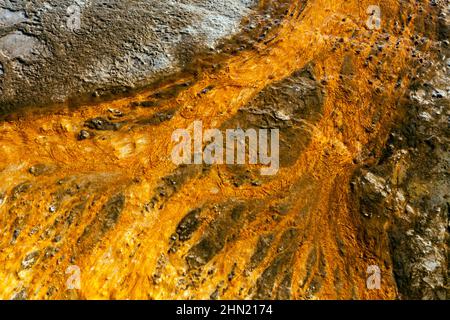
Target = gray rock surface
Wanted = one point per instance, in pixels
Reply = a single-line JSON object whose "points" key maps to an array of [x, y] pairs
{"points": [[52, 50], [409, 188]]}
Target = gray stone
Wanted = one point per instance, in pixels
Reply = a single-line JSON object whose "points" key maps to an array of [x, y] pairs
{"points": [[56, 50]]}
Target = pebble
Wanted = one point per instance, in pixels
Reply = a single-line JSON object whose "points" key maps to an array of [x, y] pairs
{"points": [[83, 135]]}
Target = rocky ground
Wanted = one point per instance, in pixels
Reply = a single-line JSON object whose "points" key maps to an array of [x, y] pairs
{"points": [[86, 181]]}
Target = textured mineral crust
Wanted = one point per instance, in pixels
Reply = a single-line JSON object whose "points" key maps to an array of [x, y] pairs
{"points": [[92, 207]]}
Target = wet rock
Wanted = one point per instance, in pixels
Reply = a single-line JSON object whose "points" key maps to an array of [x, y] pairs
{"points": [[215, 295], [147, 104], [158, 118], [215, 237], [262, 248], [84, 135], [112, 211], [40, 169], [50, 252], [18, 45], [10, 18], [207, 89], [188, 225], [75, 213], [159, 271], [102, 124], [348, 68], [285, 289], [279, 268], [408, 190], [30, 259], [21, 295], [79, 48], [115, 113], [20, 189], [438, 94], [104, 221], [171, 184], [285, 105], [203, 252]]}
